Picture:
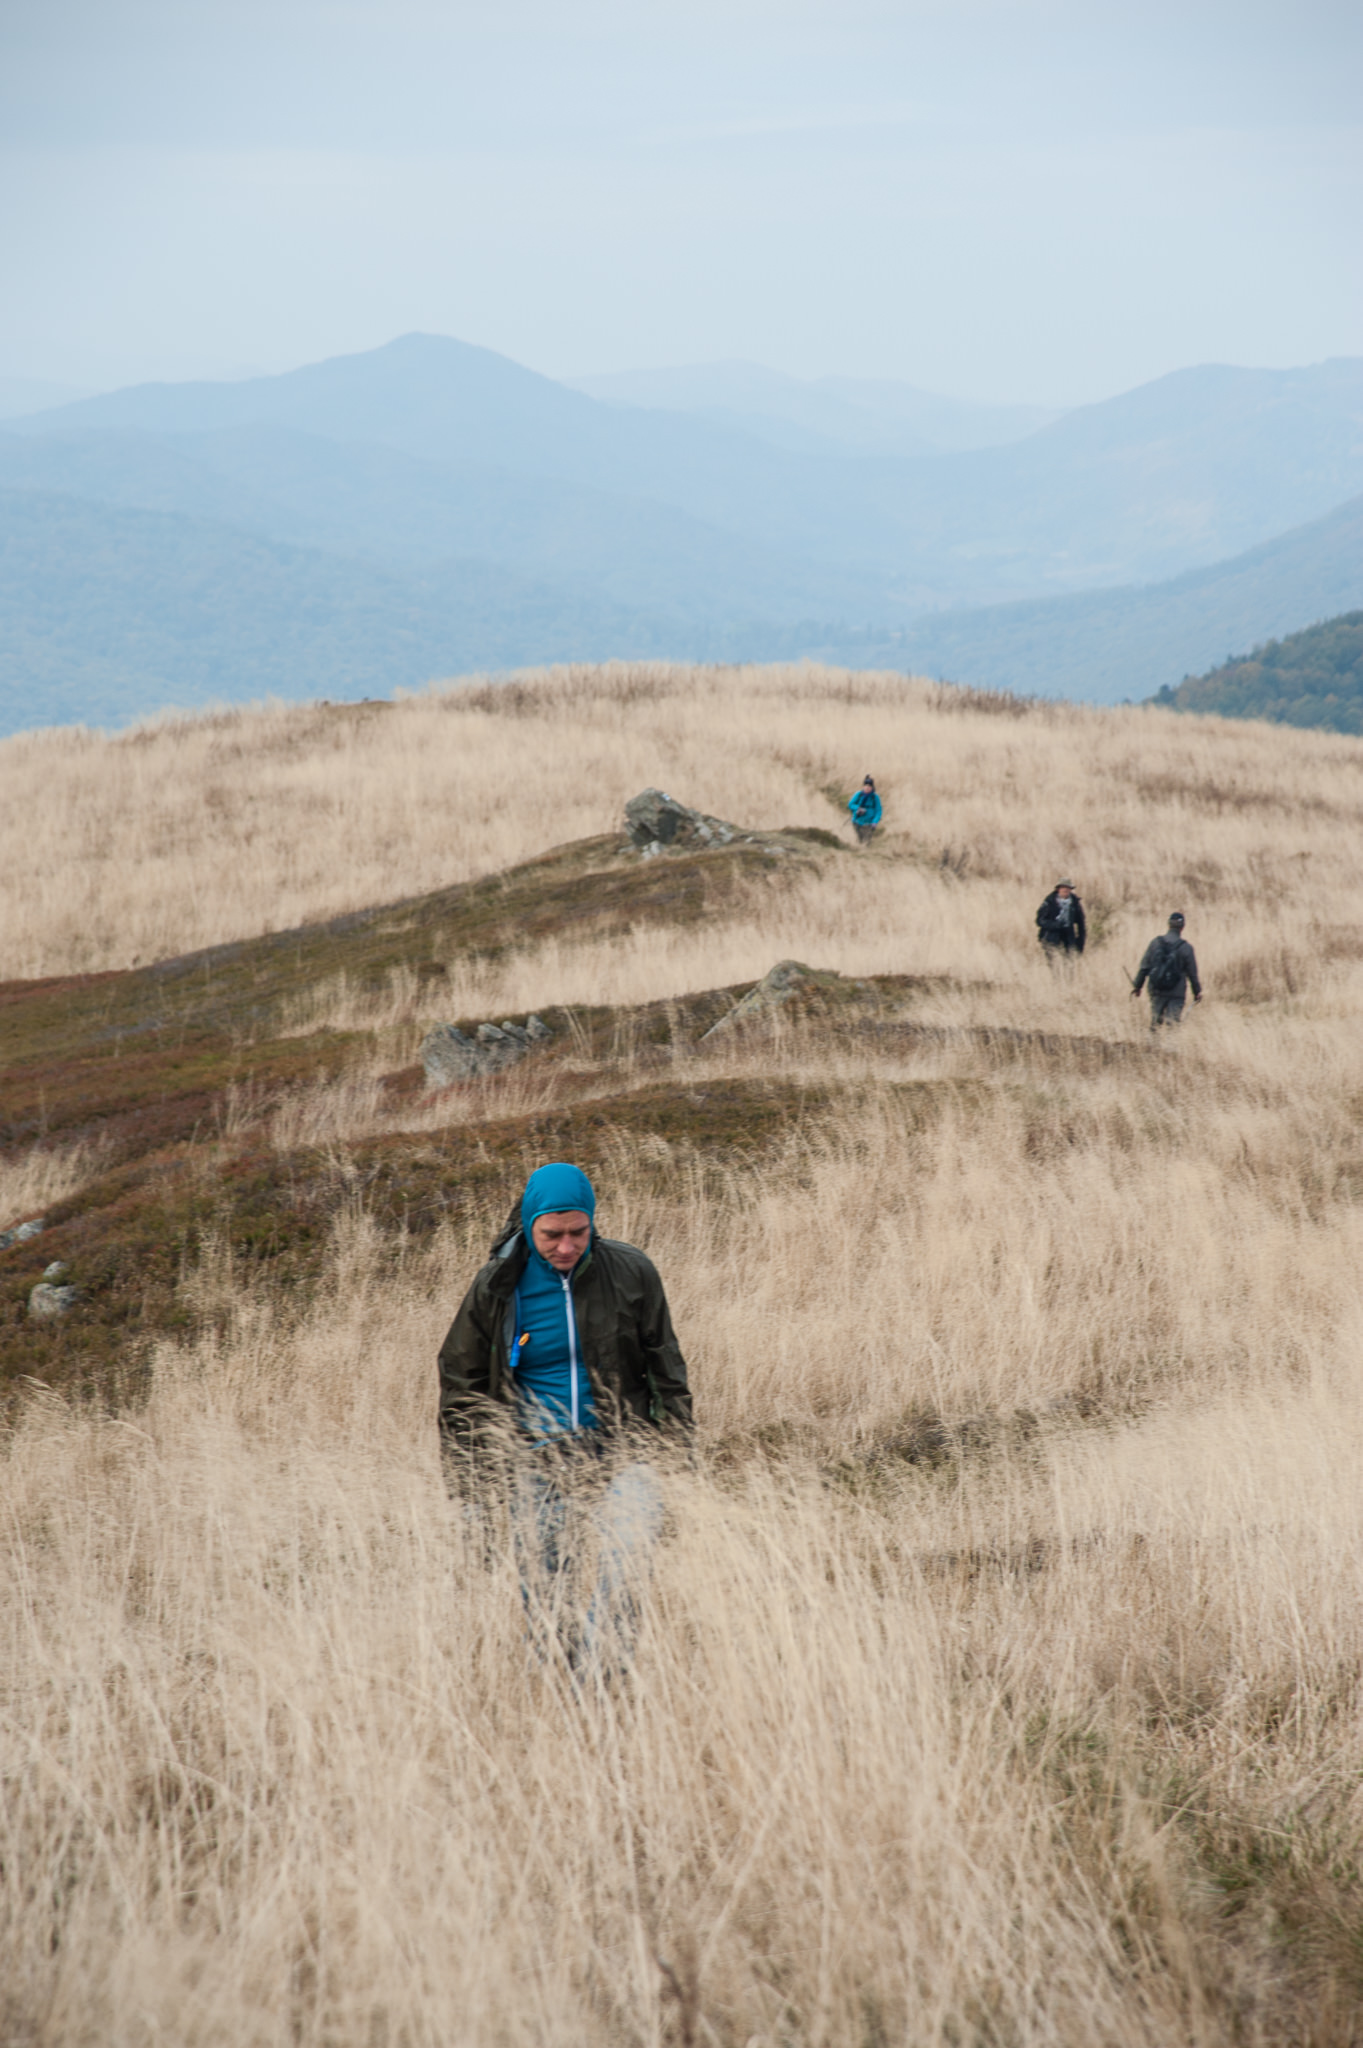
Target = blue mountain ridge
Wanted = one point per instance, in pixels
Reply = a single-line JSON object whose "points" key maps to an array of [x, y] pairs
{"points": [[1182, 472], [427, 508]]}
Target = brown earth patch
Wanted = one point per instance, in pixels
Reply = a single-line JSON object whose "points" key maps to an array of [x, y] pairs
{"points": [[172, 1074], [587, 889], [131, 1235]]}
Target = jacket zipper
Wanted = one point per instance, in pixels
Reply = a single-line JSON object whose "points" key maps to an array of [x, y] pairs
{"points": [[572, 1343]]}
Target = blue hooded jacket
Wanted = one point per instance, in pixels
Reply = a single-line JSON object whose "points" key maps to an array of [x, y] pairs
{"points": [[546, 1358], [865, 807]]}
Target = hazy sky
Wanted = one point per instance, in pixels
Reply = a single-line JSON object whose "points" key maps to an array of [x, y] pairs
{"points": [[1001, 198]]}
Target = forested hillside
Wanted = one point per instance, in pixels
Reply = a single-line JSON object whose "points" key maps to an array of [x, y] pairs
{"points": [[1309, 678]]}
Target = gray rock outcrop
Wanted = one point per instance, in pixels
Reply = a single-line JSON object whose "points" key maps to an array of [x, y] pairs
{"points": [[789, 981], [21, 1233], [655, 821], [449, 1054], [46, 1302]]}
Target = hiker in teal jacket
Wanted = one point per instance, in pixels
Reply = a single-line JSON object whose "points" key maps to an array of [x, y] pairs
{"points": [[558, 1373], [866, 811]]}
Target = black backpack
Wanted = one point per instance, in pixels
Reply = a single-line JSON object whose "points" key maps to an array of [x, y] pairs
{"points": [[1168, 974]]}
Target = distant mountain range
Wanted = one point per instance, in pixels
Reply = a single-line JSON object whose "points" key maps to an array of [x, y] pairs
{"points": [[409, 515], [1313, 678], [106, 613], [827, 416], [429, 507], [1109, 645], [1169, 477], [20, 395]]}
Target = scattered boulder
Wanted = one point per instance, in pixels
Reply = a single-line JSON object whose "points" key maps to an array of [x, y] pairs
{"points": [[46, 1302], [58, 1270], [21, 1233], [449, 1054], [655, 821], [790, 981]]}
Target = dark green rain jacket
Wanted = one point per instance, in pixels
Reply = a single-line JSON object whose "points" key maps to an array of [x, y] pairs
{"points": [[629, 1349]]}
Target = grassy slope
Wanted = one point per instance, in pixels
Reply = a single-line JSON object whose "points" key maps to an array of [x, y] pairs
{"points": [[1056, 1687], [171, 1073]]}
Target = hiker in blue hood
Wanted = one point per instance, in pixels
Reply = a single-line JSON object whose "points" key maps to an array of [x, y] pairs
{"points": [[563, 1356], [867, 811], [555, 1394]]}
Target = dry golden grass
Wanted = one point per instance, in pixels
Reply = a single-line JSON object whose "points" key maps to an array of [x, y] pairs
{"points": [[1051, 1738], [187, 832], [32, 1180]]}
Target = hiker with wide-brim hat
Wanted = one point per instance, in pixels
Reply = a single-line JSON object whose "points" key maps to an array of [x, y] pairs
{"points": [[1060, 921]]}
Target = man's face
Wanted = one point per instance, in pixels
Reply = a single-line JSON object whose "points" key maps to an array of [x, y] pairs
{"points": [[561, 1237], [1062, 893]]}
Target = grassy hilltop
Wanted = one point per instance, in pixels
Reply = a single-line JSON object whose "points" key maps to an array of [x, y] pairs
{"points": [[1000, 1682]]}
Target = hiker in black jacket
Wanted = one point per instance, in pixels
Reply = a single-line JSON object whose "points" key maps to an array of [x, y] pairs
{"points": [[560, 1378], [1060, 921], [1169, 964]]}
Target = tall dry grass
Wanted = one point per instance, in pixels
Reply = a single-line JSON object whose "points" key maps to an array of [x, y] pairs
{"points": [[41, 1174], [1000, 1680], [980, 1754]]}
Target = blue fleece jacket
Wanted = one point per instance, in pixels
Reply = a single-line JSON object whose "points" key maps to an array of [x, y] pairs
{"points": [[865, 807], [556, 1394]]}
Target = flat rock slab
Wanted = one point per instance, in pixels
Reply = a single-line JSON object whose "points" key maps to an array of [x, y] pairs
{"points": [[449, 1054]]}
